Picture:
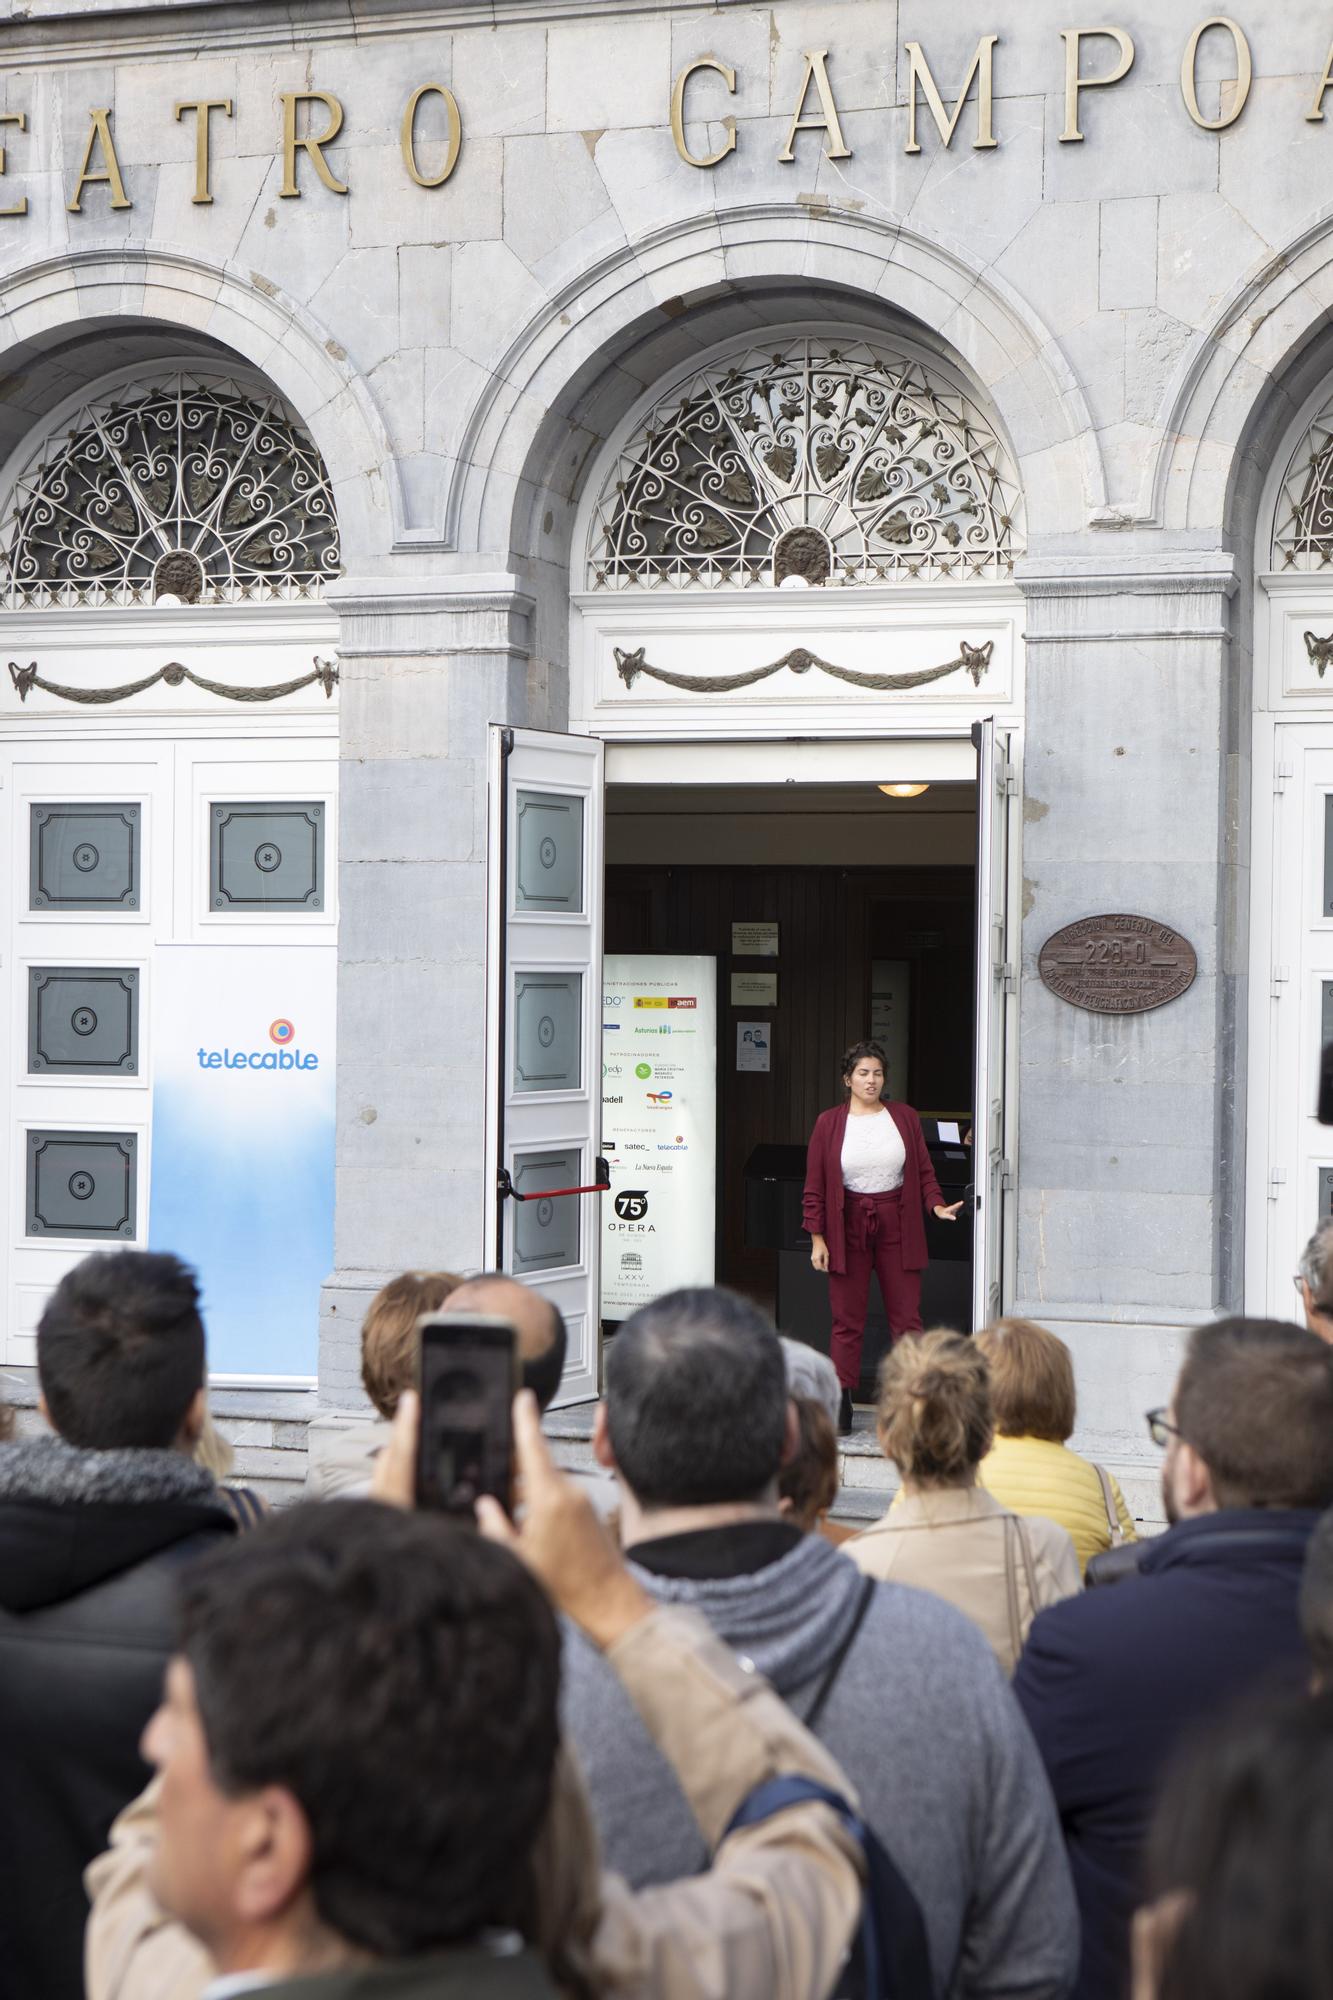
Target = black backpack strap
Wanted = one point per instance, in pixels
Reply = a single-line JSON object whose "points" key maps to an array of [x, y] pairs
{"points": [[890, 1958], [836, 1664]]}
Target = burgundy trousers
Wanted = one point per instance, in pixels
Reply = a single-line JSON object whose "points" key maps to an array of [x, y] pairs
{"points": [[874, 1228]]}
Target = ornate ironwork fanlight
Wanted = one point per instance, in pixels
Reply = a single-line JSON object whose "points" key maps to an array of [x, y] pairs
{"points": [[190, 486], [826, 460], [1303, 524]]}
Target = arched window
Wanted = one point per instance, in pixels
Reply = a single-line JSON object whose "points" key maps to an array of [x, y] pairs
{"points": [[825, 460], [190, 485], [1303, 522]]}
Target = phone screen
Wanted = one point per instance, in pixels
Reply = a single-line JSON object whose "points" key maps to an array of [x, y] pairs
{"points": [[468, 1382]]}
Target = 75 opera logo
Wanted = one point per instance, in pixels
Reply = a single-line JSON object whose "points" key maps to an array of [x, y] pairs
{"points": [[631, 1207]]}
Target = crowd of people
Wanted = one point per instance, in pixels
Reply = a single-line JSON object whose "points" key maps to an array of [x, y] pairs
{"points": [[673, 1729]]}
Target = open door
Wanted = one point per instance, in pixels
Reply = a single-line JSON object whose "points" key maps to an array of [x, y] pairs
{"points": [[544, 1176], [995, 1000]]}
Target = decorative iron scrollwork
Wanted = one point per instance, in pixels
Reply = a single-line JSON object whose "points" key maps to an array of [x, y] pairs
{"points": [[174, 674], [886, 466], [974, 659], [191, 487]]}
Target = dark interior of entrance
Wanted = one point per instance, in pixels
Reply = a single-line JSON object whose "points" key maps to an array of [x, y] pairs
{"points": [[873, 897]]}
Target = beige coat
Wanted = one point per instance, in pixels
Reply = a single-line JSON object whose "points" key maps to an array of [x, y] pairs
{"points": [[771, 1920], [1000, 1568]]}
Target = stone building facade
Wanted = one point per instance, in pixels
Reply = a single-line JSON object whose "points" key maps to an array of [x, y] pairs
{"points": [[464, 267]]}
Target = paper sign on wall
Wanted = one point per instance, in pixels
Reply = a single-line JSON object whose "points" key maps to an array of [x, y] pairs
{"points": [[754, 940], [242, 1176], [753, 1044], [754, 989], [659, 1126]]}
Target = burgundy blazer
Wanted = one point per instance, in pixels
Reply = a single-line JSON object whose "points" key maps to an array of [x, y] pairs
{"points": [[822, 1203]]}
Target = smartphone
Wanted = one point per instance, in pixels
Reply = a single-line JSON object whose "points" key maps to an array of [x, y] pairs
{"points": [[468, 1380]]}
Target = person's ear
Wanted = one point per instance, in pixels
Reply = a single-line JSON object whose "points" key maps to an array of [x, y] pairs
{"points": [[791, 1436], [273, 1854], [1193, 1481], [192, 1423], [601, 1440]]}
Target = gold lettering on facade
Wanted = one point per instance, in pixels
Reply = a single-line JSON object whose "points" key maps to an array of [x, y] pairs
{"points": [[203, 109], [1315, 114], [99, 133], [828, 111], [455, 139], [918, 71], [19, 118], [1075, 81], [1240, 88], [728, 75], [309, 144]]}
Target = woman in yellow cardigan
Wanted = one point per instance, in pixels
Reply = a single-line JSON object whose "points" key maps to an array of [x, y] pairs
{"points": [[1030, 1468]]}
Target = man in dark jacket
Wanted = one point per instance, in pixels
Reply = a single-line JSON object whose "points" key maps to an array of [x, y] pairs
{"points": [[96, 1525], [899, 1687], [1112, 1682]]}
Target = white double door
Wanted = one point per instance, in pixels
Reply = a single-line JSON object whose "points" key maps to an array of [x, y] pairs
{"points": [[121, 847], [1290, 1154], [544, 1172]]}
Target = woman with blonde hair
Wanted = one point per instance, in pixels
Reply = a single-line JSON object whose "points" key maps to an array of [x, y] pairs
{"points": [[1030, 1468], [944, 1533]]}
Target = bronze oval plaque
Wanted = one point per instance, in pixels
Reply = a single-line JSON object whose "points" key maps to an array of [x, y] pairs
{"points": [[1117, 965]]}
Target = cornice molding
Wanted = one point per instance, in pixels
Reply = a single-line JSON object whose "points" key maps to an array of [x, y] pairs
{"points": [[71, 32]]}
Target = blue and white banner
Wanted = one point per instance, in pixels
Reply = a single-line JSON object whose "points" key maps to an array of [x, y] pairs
{"points": [[242, 1143]]}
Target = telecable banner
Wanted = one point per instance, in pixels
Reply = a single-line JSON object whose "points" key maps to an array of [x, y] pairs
{"points": [[242, 1143]]}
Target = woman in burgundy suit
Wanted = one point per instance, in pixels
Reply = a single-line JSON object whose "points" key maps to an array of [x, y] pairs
{"points": [[869, 1186]]}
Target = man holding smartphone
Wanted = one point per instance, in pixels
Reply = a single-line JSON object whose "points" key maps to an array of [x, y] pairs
{"points": [[237, 1840]]}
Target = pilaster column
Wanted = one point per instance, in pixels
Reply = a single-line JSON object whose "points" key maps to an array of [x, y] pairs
{"points": [[1130, 1180], [423, 670]]}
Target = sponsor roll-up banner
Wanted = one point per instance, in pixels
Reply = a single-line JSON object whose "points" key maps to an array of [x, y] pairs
{"points": [[242, 1174], [659, 1125]]}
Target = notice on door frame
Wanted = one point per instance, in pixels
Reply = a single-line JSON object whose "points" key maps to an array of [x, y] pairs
{"points": [[754, 940], [754, 989]]}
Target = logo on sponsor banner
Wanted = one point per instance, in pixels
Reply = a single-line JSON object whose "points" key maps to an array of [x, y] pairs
{"points": [[611, 1100], [610, 1027], [635, 1146], [664, 1147], [611, 1069], [659, 1099], [284, 1056], [631, 1205], [613, 999], [643, 1071], [630, 1260], [665, 1000]]}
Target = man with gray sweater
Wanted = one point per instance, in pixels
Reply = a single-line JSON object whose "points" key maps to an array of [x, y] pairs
{"points": [[900, 1687]]}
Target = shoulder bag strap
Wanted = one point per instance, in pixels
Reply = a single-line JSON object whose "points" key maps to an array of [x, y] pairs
{"points": [[1011, 1589], [1108, 1501], [836, 1664]]}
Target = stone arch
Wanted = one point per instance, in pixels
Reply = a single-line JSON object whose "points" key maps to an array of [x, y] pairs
{"points": [[70, 319], [596, 345], [1241, 384]]}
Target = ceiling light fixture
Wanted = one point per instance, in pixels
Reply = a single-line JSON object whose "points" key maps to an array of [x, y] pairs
{"points": [[904, 791]]}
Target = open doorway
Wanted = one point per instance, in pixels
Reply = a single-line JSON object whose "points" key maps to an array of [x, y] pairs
{"points": [[823, 912], [763, 905]]}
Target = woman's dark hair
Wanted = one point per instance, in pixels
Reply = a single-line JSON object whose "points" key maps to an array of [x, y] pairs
{"points": [[1243, 1835], [857, 1052], [399, 1676]]}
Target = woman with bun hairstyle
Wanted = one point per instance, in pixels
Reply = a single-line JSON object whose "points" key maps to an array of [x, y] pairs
{"points": [[944, 1533], [869, 1187]]}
